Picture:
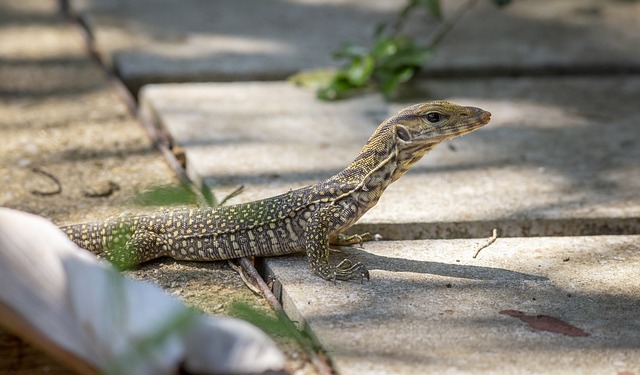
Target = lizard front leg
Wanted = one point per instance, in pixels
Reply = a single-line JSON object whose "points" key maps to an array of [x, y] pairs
{"points": [[317, 233]]}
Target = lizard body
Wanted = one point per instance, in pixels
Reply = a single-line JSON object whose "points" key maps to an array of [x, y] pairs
{"points": [[305, 219]]}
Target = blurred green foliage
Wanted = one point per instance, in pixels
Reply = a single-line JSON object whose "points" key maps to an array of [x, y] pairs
{"points": [[173, 195], [392, 59], [277, 325]]}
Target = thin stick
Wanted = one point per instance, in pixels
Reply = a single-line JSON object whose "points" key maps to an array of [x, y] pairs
{"points": [[262, 286], [491, 240], [449, 23], [233, 194]]}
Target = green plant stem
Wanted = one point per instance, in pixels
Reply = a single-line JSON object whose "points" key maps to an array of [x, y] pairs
{"points": [[449, 23]]}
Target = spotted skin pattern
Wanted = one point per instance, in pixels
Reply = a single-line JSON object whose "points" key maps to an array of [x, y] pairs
{"points": [[306, 219]]}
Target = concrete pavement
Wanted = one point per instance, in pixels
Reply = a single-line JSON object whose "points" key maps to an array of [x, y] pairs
{"points": [[560, 158]]}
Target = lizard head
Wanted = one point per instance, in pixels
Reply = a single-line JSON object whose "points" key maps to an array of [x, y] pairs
{"points": [[420, 127], [434, 122]]}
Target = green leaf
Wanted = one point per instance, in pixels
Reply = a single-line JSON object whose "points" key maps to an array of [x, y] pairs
{"points": [[338, 88], [166, 196], [406, 74], [388, 85], [389, 81], [350, 51], [406, 53], [313, 78], [359, 71], [385, 47], [415, 57]]}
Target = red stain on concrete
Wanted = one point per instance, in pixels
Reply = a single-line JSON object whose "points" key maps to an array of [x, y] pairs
{"points": [[546, 323]]}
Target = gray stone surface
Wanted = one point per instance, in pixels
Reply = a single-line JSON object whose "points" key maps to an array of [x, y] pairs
{"points": [[560, 156], [197, 40], [430, 308], [60, 114]]}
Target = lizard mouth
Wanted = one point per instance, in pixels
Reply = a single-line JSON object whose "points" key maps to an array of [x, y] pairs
{"points": [[472, 123], [485, 117]]}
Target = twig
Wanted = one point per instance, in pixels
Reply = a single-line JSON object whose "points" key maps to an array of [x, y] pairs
{"points": [[233, 194], [490, 240], [449, 23], [248, 280], [257, 280], [53, 178]]}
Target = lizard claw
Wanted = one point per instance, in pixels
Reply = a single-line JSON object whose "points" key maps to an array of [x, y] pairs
{"points": [[345, 270], [344, 265], [349, 271]]}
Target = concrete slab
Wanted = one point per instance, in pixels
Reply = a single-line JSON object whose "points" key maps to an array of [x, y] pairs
{"points": [[560, 156], [431, 308], [197, 40]]}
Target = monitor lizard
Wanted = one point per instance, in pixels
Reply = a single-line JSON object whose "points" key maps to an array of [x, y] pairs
{"points": [[308, 219]]}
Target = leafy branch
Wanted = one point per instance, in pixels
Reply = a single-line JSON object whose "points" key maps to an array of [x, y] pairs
{"points": [[392, 59]]}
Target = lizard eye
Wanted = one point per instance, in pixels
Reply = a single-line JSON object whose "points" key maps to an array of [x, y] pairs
{"points": [[433, 117]]}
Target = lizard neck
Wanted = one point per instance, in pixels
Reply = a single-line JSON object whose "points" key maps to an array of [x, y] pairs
{"points": [[366, 178], [380, 162]]}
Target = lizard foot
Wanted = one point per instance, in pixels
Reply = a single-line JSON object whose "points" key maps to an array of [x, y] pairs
{"points": [[346, 270]]}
